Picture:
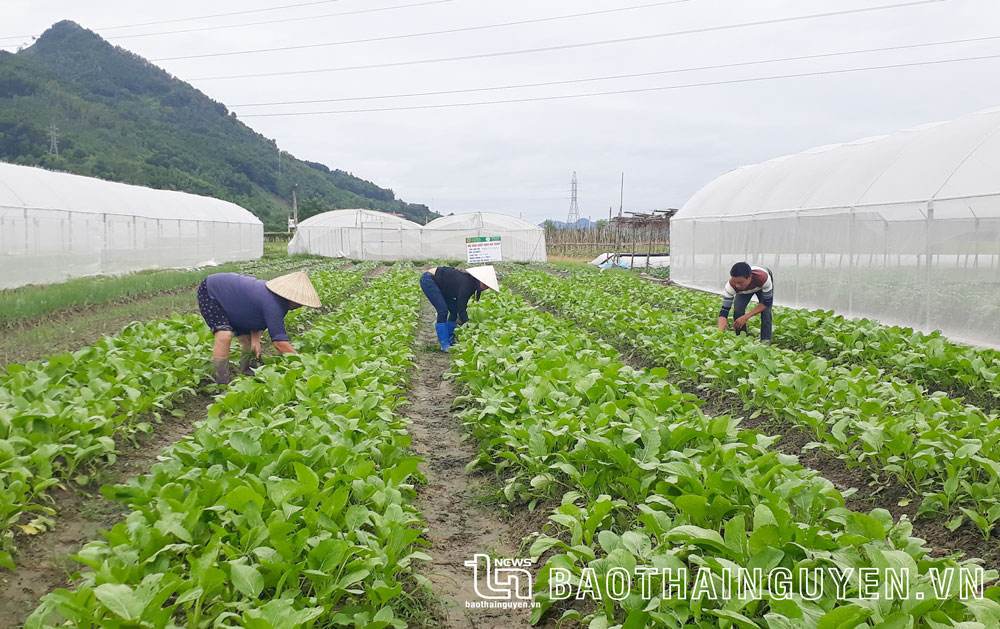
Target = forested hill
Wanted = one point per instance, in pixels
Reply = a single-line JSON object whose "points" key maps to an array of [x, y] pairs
{"points": [[119, 117]]}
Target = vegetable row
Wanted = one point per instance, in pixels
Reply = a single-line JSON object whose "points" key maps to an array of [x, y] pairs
{"points": [[928, 359], [934, 444], [67, 410], [290, 506], [645, 480]]}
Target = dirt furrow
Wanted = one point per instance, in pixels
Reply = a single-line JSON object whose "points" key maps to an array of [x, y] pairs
{"points": [[43, 560], [870, 493], [458, 524]]}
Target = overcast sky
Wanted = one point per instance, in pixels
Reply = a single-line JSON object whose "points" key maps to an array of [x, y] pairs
{"points": [[518, 158]]}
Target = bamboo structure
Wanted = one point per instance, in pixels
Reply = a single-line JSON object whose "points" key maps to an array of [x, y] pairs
{"points": [[643, 233], [633, 234]]}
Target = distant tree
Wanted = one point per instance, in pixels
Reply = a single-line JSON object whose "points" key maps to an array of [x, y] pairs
{"points": [[312, 207], [135, 123]]}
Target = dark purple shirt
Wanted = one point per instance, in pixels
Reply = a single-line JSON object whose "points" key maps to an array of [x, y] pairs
{"points": [[249, 304]]}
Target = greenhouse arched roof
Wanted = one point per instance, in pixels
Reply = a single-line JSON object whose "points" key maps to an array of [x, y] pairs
{"points": [[481, 220], [39, 189], [941, 161], [355, 218]]}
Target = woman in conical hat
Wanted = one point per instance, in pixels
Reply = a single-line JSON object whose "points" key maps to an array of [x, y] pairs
{"points": [[449, 289], [243, 306]]}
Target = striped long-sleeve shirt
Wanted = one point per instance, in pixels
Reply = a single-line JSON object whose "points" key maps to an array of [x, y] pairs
{"points": [[760, 283]]}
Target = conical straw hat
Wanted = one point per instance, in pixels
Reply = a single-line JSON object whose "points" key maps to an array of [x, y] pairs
{"points": [[485, 274], [295, 287]]}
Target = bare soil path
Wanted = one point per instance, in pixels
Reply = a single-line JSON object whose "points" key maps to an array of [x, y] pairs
{"points": [[43, 560], [870, 493], [458, 524], [70, 329]]}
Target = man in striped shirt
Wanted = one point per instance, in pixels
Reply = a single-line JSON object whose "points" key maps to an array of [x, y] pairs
{"points": [[747, 281]]}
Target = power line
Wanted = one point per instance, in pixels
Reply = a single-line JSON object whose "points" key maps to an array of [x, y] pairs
{"points": [[231, 13], [632, 91], [579, 45], [283, 20], [425, 34], [625, 76]]}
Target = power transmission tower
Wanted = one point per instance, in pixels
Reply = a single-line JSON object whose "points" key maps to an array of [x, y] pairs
{"points": [[574, 209], [53, 140]]}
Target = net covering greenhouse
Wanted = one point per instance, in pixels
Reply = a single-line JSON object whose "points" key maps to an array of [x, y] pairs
{"points": [[54, 226], [371, 235], [520, 241], [357, 234], [903, 228]]}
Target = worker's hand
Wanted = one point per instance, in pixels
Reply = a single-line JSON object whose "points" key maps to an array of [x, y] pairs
{"points": [[741, 323], [284, 347], [255, 343]]}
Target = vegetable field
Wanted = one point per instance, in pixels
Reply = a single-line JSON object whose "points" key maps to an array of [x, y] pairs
{"points": [[608, 440]]}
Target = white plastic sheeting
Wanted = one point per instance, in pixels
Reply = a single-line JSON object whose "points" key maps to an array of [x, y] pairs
{"points": [[54, 226], [357, 234], [370, 235], [903, 228], [637, 261], [520, 241]]}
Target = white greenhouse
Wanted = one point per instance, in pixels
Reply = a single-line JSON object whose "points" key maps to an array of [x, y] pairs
{"points": [[903, 228], [54, 226], [357, 234], [371, 235], [520, 241]]}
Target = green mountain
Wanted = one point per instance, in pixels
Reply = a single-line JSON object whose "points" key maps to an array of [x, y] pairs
{"points": [[119, 117]]}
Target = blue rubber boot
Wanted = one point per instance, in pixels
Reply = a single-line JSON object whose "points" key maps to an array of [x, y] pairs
{"points": [[444, 336], [451, 332]]}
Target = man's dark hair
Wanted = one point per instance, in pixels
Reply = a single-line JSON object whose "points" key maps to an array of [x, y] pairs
{"points": [[740, 269]]}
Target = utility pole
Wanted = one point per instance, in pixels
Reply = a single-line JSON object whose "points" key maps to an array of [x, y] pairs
{"points": [[279, 163], [574, 209], [621, 206], [53, 140], [295, 207]]}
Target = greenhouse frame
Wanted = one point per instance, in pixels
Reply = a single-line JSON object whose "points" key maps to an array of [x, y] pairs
{"points": [[372, 235], [357, 234], [55, 226], [520, 241], [903, 228]]}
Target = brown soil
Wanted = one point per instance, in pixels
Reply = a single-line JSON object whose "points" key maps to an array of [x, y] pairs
{"points": [[871, 492], [874, 493], [43, 561], [986, 402], [381, 269], [458, 522], [69, 330], [72, 328]]}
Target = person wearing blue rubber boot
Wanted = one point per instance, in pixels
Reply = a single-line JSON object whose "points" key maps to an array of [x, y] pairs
{"points": [[449, 289]]}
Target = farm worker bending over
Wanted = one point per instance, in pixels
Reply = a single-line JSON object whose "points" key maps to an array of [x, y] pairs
{"points": [[243, 306], [747, 281], [449, 289]]}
